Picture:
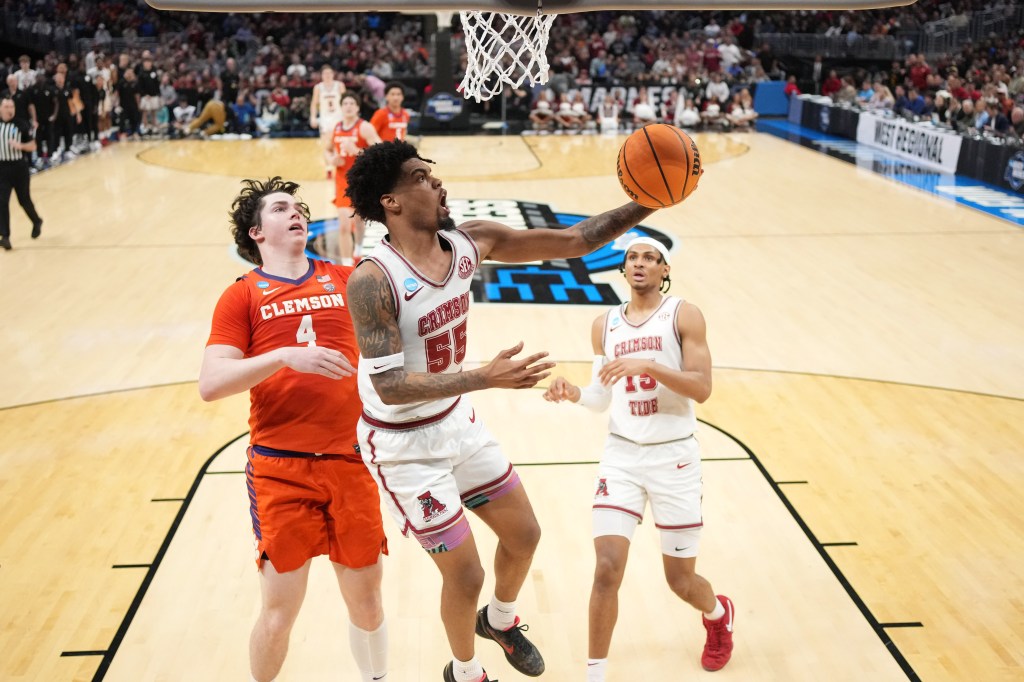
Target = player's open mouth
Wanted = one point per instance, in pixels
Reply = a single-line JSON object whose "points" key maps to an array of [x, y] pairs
{"points": [[296, 226], [444, 200]]}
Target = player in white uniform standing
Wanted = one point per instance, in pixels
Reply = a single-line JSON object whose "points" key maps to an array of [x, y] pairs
{"points": [[651, 362], [419, 436], [325, 108]]}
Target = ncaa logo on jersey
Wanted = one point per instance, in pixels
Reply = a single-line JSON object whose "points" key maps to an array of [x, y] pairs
{"points": [[329, 288], [430, 507], [411, 284], [465, 267], [262, 285]]}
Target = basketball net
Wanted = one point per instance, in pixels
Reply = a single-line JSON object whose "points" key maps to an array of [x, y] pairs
{"points": [[503, 49]]}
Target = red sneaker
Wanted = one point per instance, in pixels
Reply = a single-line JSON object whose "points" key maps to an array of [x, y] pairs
{"points": [[718, 646]]}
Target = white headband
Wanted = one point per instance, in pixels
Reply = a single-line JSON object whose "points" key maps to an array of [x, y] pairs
{"points": [[649, 242]]}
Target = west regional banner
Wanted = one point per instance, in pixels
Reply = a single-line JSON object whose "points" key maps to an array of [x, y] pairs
{"points": [[921, 142]]}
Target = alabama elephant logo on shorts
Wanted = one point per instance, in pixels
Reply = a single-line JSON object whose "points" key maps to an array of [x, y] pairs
{"points": [[431, 507], [602, 488]]}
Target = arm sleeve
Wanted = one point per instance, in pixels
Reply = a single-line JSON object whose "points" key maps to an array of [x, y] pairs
{"points": [[231, 320], [595, 397]]}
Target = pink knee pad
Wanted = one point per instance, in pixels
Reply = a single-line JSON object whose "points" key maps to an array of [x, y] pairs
{"points": [[447, 539]]}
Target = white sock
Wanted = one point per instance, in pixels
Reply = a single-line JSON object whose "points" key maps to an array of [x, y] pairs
{"points": [[596, 669], [467, 671], [718, 611], [370, 649], [501, 614]]}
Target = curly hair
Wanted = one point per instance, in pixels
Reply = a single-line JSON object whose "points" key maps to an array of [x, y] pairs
{"points": [[375, 173], [245, 212]]}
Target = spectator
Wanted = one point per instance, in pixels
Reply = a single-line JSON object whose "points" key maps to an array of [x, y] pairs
{"points": [[128, 98], [881, 97], [791, 88], [643, 110], [717, 90], [149, 94], [997, 122], [296, 69], [608, 115], [741, 115], [181, 116], [542, 117], [865, 93], [244, 113], [269, 119], [687, 115], [1016, 128], [966, 118], [712, 116], [947, 108], [211, 119], [729, 53], [831, 85], [26, 76]]}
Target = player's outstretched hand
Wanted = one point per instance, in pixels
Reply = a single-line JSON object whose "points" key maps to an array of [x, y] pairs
{"points": [[504, 372], [560, 389], [318, 360]]}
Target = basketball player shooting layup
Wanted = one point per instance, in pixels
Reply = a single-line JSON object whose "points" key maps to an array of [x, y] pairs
{"points": [[424, 444], [651, 361]]}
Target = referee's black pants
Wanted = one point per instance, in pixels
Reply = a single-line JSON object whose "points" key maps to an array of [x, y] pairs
{"points": [[14, 175]]}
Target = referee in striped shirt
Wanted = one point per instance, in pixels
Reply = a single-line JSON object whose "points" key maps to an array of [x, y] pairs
{"points": [[16, 144]]}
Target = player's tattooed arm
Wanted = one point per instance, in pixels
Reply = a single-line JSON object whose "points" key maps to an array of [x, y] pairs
{"points": [[372, 306], [603, 228], [502, 243]]}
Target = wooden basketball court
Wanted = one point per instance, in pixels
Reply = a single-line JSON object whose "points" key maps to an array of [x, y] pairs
{"points": [[864, 443]]}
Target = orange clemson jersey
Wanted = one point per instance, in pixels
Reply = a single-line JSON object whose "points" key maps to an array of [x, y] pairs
{"points": [[344, 140], [389, 125], [292, 410]]}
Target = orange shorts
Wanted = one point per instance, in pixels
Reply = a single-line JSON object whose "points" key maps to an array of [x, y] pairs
{"points": [[303, 507], [340, 187]]}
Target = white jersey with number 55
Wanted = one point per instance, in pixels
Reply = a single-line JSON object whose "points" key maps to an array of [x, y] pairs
{"points": [[433, 318]]}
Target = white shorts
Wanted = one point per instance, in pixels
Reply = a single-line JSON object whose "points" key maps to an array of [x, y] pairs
{"points": [[328, 124], [427, 474], [667, 474], [150, 103]]}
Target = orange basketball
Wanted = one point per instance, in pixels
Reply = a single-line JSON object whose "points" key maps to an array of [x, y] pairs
{"points": [[659, 166]]}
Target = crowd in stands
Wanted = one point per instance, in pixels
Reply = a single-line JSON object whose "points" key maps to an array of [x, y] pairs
{"points": [[141, 72], [973, 92]]}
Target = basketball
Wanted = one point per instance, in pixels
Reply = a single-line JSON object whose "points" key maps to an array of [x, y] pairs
{"points": [[659, 166]]}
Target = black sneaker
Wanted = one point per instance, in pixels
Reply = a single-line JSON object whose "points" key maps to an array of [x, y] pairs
{"points": [[37, 229], [449, 674], [5, 243], [519, 651]]}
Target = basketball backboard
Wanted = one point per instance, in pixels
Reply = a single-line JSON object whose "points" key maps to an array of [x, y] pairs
{"points": [[523, 7]]}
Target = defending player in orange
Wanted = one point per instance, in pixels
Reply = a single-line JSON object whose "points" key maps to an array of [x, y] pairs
{"points": [[651, 362], [283, 333], [351, 136], [392, 121]]}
